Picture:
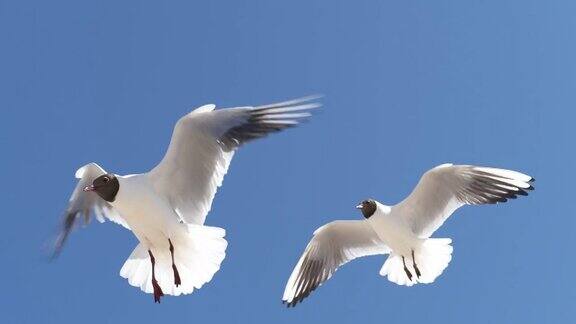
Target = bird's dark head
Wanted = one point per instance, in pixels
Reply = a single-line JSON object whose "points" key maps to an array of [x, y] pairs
{"points": [[106, 186], [368, 207]]}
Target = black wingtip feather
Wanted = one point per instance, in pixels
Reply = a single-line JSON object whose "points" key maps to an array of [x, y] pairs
{"points": [[67, 226], [313, 271], [264, 120]]}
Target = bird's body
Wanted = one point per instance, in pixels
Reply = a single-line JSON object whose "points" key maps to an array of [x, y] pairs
{"points": [[166, 207], [393, 230], [149, 215], [403, 230], [412, 259], [185, 254]]}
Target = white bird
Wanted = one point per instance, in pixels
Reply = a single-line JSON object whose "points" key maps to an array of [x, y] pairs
{"points": [[166, 207], [403, 230]]}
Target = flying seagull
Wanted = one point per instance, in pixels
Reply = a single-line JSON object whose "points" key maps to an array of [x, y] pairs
{"points": [[403, 230], [166, 207]]}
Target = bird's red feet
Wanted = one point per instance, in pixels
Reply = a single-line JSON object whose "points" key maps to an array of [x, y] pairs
{"points": [[177, 280], [157, 291]]}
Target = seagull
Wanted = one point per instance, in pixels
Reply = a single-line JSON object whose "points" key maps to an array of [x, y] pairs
{"points": [[166, 207], [403, 231]]}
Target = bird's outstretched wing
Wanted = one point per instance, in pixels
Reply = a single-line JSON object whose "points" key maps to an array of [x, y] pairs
{"points": [[447, 187], [203, 144], [333, 245], [84, 204]]}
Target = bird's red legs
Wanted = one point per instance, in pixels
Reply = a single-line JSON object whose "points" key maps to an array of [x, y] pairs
{"points": [[415, 266], [157, 290], [177, 280], [406, 269]]}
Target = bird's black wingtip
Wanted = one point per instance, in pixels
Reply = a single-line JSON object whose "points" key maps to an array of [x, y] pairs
{"points": [[290, 304]]}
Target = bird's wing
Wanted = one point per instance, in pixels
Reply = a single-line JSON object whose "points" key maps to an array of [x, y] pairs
{"points": [[203, 144], [447, 187], [333, 245], [84, 204]]}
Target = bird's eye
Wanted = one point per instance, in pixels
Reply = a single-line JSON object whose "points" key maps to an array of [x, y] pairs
{"points": [[105, 179]]}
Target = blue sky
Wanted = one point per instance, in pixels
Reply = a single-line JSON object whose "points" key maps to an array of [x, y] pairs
{"points": [[408, 85]]}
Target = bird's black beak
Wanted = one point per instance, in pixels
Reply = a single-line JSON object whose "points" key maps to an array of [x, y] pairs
{"points": [[359, 206], [89, 188]]}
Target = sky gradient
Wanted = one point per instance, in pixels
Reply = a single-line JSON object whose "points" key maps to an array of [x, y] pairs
{"points": [[408, 85]]}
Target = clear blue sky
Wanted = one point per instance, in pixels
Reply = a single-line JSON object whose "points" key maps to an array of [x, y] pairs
{"points": [[408, 85]]}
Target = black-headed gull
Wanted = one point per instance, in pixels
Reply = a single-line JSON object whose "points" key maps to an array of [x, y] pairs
{"points": [[403, 230], [166, 207]]}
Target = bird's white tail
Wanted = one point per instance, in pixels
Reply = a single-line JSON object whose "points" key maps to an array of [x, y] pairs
{"points": [[432, 257], [197, 256]]}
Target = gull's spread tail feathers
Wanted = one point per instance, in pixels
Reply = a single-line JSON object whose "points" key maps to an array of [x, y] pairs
{"points": [[197, 256], [427, 263]]}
